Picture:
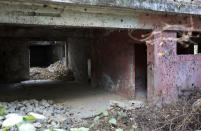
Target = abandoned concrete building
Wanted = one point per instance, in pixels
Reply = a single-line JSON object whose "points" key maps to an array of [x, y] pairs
{"points": [[105, 42]]}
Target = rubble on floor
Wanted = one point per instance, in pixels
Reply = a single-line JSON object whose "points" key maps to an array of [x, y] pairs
{"points": [[182, 115], [58, 116], [56, 71]]}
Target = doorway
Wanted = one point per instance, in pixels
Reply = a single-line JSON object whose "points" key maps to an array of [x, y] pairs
{"points": [[141, 71]]}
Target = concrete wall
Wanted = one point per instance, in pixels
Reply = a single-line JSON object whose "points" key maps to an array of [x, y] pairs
{"points": [[119, 63], [113, 62], [172, 72], [79, 51], [14, 61], [56, 52]]}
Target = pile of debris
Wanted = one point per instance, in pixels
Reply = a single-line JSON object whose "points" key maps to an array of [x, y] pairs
{"points": [[182, 115], [56, 71], [57, 116]]}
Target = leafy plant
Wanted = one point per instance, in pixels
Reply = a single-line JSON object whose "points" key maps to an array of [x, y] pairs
{"points": [[2, 110], [113, 121]]}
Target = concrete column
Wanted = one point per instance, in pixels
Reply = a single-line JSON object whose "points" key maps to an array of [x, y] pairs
{"points": [[14, 61], [78, 54]]}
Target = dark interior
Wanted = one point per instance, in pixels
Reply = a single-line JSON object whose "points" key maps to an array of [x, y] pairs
{"points": [[39, 56], [140, 67], [187, 47]]}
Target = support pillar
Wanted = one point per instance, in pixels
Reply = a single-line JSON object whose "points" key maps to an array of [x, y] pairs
{"points": [[78, 55], [14, 61]]}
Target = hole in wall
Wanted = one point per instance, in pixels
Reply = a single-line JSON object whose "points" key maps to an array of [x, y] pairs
{"points": [[48, 61], [188, 43]]}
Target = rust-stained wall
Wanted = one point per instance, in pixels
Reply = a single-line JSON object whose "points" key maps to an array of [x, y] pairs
{"points": [[172, 72], [113, 62], [168, 74]]}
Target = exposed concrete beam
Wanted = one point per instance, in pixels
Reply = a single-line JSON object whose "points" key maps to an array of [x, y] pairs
{"points": [[17, 13], [167, 6], [42, 33], [85, 16]]}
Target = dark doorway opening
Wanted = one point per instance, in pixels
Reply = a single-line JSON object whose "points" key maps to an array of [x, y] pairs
{"points": [[48, 61], [44, 53], [141, 70], [39, 56]]}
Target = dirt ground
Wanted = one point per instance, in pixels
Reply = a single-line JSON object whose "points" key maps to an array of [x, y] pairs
{"points": [[80, 97], [85, 101]]}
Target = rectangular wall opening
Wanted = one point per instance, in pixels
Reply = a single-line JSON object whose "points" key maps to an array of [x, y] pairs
{"points": [[188, 46], [48, 60], [141, 71]]}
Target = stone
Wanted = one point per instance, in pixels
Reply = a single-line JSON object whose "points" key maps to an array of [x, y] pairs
{"points": [[57, 115]]}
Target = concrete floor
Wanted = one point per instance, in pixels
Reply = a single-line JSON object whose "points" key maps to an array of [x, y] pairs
{"points": [[82, 98]]}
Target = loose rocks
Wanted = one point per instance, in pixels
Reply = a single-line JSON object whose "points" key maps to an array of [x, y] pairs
{"points": [[57, 115]]}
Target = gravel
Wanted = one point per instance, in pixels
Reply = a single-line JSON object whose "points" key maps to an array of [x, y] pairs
{"points": [[58, 116]]}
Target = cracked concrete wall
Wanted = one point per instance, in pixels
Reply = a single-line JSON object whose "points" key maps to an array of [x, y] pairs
{"points": [[14, 61]]}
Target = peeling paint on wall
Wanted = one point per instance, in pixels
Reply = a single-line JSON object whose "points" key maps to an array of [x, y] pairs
{"points": [[173, 74]]}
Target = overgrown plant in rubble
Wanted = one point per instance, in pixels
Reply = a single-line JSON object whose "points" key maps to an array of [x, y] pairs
{"points": [[110, 120]]}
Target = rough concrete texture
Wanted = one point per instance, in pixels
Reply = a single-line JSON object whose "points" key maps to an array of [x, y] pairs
{"points": [[113, 62], [167, 6], [14, 61], [87, 16], [78, 54], [172, 72], [42, 33]]}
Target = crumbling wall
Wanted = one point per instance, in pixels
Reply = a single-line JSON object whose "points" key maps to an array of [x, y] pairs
{"points": [[173, 73], [14, 61]]}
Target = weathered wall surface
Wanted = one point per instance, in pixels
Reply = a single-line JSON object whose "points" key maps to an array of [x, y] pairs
{"points": [[78, 55], [170, 6], [14, 61], [75, 15], [56, 52], [172, 72], [113, 62]]}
